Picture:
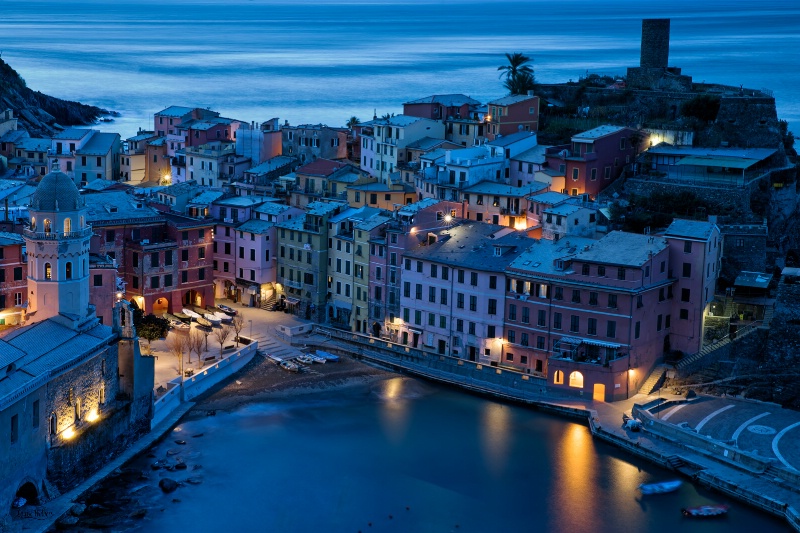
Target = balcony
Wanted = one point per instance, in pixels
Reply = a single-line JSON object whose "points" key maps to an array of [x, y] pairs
{"points": [[49, 236]]}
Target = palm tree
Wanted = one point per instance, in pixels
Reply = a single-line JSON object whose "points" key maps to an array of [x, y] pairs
{"points": [[517, 64], [352, 122], [520, 84], [518, 74]]}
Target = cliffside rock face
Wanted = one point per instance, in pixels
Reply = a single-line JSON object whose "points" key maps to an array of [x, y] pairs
{"points": [[40, 114]]}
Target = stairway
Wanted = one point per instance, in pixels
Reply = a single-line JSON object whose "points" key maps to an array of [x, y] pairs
{"points": [[675, 462], [654, 381], [769, 312], [269, 303]]}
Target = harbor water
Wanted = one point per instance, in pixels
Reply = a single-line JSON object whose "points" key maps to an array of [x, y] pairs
{"points": [[403, 455]]}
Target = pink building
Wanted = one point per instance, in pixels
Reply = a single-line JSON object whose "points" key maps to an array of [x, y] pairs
{"points": [[595, 317], [512, 114], [453, 286]]}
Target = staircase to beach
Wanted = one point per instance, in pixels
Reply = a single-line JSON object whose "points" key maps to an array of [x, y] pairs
{"points": [[654, 381], [269, 303]]}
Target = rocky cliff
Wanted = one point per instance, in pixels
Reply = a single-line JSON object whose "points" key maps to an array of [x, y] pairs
{"points": [[42, 115]]}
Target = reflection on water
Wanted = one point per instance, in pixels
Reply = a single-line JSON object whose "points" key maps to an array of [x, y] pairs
{"points": [[495, 429], [407, 456]]}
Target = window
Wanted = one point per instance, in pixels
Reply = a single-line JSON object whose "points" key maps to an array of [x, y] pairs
{"points": [[592, 298], [684, 314], [687, 270], [510, 356], [471, 329], [185, 276], [185, 255], [512, 312], [154, 282], [585, 268], [492, 282], [659, 320], [541, 318], [443, 297], [408, 264], [434, 271], [525, 315], [407, 289], [574, 323], [621, 273], [432, 294], [667, 321], [14, 428], [492, 306], [687, 247], [460, 300], [135, 282], [556, 320], [459, 325], [524, 339], [575, 173], [685, 295], [639, 302], [48, 271], [443, 322], [637, 328], [445, 273], [601, 271], [168, 257], [591, 328], [68, 270], [558, 378], [135, 260], [168, 280], [576, 296], [252, 254], [418, 317], [154, 260], [611, 329], [576, 380], [418, 291], [98, 280], [36, 413], [419, 265], [490, 332], [473, 279], [559, 293], [612, 301], [473, 303], [460, 278]]}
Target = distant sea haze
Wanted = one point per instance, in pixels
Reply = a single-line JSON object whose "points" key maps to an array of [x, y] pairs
{"points": [[323, 62]]}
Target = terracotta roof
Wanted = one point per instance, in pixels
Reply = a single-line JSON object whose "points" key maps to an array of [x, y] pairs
{"points": [[321, 167]]}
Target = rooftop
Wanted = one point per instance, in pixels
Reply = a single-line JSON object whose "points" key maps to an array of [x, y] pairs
{"points": [[416, 207], [509, 100], [255, 226], [400, 121], [324, 208], [622, 248], [532, 155], [507, 140], [540, 258], [597, 133], [271, 164], [72, 133], [117, 208], [241, 201], [183, 187], [693, 229], [472, 246], [271, 208], [356, 213], [447, 100], [10, 239], [426, 144], [373, 222], [34, 144], [754, 280], [175, 111], [743, 153], [321, 167], [99, 144], [206, 197]]}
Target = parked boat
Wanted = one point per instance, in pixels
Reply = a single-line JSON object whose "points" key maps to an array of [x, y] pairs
{"points": [[225, 319], [182, 317], [328, 356], [190, 313], [213, 319], [660, 488], [288, 365], [315, 358], [306, 360], [706, 510], [202, 322]]}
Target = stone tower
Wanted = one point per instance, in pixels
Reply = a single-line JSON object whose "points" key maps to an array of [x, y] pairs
{"points": [[655, 43], [58, 252]]}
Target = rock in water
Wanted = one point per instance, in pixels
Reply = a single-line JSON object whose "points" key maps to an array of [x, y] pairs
{"points": [[139, 513], [194, 480], [77, 509], [168, 485], [180, 442], [180, 466], [66, 522]]}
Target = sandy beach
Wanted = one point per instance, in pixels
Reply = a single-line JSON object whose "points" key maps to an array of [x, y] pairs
{"points": [[262, 379]]}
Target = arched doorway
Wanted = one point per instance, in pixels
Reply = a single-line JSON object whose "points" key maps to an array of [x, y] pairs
{"points": [[193, 298], [28, 491], [599, 394], [161, 306], [576, 380]]}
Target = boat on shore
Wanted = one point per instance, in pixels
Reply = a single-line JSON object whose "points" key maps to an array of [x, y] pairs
{"points": [[289, 366], [315, 358], [706, 510], [306, 360], [328, 356], [660, 488], [202, 322]]}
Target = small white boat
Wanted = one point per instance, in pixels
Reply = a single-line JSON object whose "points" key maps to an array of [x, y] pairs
{"points": [[315, 358], [214, 319], [306, 360], [189, 312], [660, 488], [225, 319]]}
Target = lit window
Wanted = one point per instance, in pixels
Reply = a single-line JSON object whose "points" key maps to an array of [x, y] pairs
{"points": [[576, 380]]}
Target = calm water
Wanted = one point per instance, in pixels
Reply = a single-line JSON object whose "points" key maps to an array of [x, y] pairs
{"points": [[336, 462], [323, 61]]}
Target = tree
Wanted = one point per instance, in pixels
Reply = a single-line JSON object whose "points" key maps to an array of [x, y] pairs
{"points": [[150, 327], [238, 325], [195, 344], [520, 84], [222, 335], [177, 344], [352, 122], [517, 73]]}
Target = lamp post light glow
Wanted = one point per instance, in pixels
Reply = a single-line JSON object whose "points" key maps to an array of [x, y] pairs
{"points": [[448, 219], [68, 433], [93, 416]]}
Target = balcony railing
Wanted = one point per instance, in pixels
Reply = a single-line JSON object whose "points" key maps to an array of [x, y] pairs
{"points": [[54, 236]]}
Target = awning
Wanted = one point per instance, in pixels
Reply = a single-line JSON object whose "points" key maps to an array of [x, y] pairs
{"points": [[575, 341], [292, 301], [717, 161], [343, 305]]}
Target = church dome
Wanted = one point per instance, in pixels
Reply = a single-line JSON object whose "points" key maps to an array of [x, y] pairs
{"points": [[56, 192]]}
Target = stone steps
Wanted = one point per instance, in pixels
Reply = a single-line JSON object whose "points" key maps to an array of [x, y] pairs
{"points": [[654, 381]]}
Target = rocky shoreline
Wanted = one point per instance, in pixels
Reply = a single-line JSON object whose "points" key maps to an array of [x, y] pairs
{"points": [[125, 498], [42, 115]]}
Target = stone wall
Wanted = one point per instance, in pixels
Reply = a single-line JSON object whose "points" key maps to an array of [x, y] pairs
{"points": [[745, 251], [655, 43], [725, 200], [748, 121]]}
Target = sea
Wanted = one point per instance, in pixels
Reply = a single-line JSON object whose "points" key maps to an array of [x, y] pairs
{"points": [[407, 456], [323, 61]]}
